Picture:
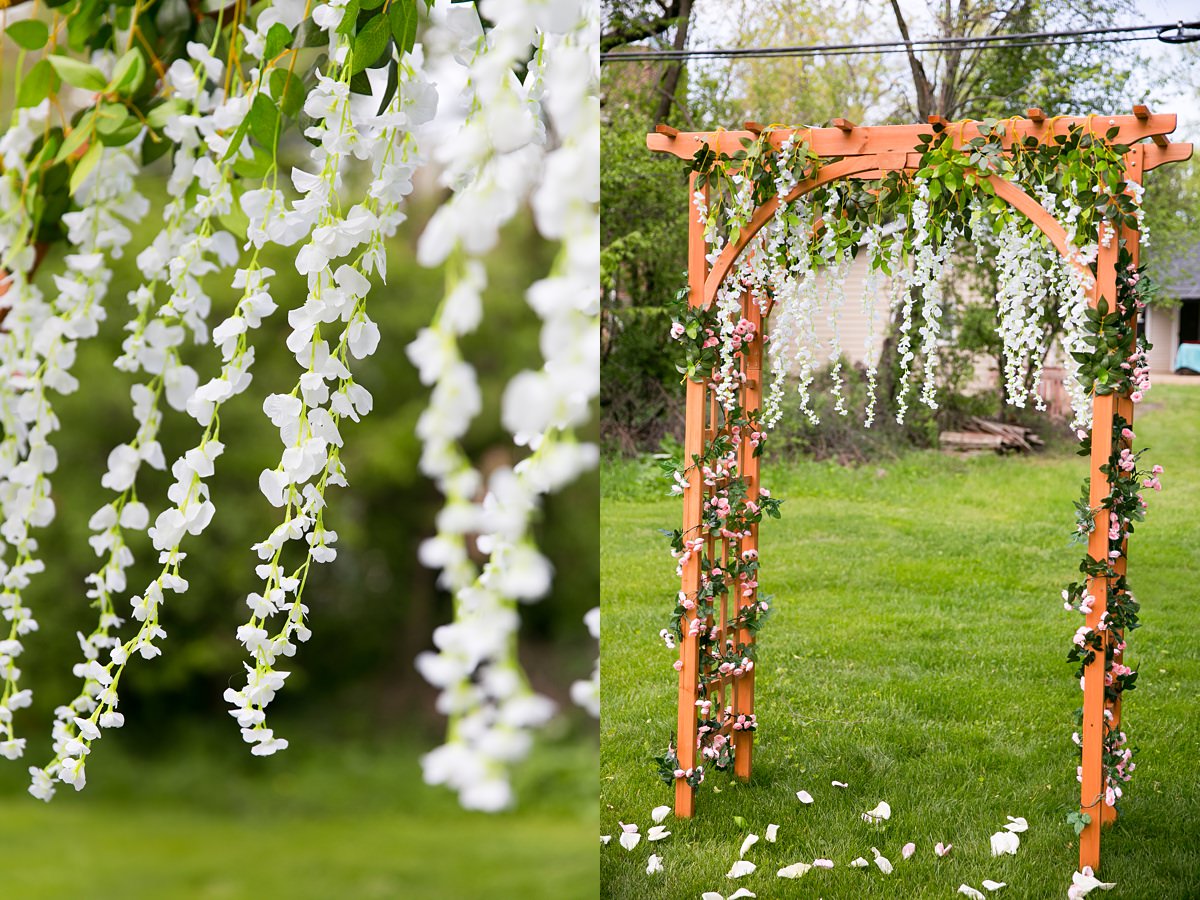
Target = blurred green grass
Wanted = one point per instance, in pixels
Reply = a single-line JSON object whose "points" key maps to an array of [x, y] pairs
{"points": [[918, 652], [325, 819]]}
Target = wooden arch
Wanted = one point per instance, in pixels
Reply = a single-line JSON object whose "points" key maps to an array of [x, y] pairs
{"points": [[869, 152]]}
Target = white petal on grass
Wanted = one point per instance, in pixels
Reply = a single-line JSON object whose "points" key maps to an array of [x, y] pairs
{"points": [[654, 865], [750, 841], [859, 863], [657, 833], [630, 839], [884, 864], [740, 893], [740, 868], [840, 784], [804, 797], [772, 833], [795, 870], [880, 813], [712, 895], [605, 838], [970, 892], [822, 863], [659, 813], [942, 849], [1018, 824], [1005, 842], [994, 885], [1084, 882], [908, 850]]}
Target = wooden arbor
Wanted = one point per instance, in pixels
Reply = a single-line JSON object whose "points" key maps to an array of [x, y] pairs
{"points": [[868, 152]]}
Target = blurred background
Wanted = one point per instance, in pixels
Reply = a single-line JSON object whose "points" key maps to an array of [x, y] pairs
{"points": [[175, 804]]}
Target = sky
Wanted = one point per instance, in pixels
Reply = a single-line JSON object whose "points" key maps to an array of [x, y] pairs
{"points": [[717, 19]]}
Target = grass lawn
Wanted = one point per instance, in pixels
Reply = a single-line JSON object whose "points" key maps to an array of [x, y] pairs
{"points": [[917, 652], [320, 821]]}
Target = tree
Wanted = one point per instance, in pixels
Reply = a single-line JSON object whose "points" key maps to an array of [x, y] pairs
{"points": [[293, 135]]}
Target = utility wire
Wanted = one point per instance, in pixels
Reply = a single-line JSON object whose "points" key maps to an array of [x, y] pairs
{"points": [[1005, 41]]}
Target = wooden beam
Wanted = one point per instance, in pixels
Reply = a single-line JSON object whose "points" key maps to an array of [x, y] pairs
{"points": [[1156, 156], [754, 128], [938, 123], [1141, 111], [693, 502], [865, 140], [843, 125], [666, 130], [1035, 115]]}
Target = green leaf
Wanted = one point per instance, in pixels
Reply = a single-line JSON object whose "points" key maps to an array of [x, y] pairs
{"points": [[371, 43], [84, 167], [159, 115], [393, 84], [349, 17], [740, 822], [289, 90], [307, 34], [278, 40], [38, 84], [402, 15], [263, 120], [29, 34], [77, 73], [77, 138], [128, 73]]}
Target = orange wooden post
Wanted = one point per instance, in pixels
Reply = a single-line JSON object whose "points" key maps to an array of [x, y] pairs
{"points": [[1103, 409], [1134, 169], [743, 687], [693, 500]]}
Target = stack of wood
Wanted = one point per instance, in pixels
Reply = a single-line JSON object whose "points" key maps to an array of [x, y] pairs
{"points": [[982, 434]]}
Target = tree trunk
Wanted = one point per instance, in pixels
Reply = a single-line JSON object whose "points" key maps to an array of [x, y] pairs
{"points": [[669, 83]]}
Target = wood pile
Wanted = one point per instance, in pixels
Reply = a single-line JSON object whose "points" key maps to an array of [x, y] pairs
{"points": [[982, 434]]}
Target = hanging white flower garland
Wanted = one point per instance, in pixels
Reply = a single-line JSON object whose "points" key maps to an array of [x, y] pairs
{"points": [[511, 162]]}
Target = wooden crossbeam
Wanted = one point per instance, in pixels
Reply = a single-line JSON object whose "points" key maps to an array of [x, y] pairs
{"points": [[1035, 115], [666, 130], [754, 128], [1142, 113], [863, 140], [843, 125]]}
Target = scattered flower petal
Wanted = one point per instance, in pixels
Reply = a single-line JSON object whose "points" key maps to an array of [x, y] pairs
{"points": [[804, 797], [1018, 824], [994, 885], [740, 893], [657, 833], [605, 838], [750, 841], [942, 849], [655, 864], [822, 863], [795, 870], [908, 850], [970, 892], [659, 813], [1005, 842], [884, 864], [630, 839], [859, 863], [840, 784], [772, 833], [1084, 882], [880, 813], [740, 868]]}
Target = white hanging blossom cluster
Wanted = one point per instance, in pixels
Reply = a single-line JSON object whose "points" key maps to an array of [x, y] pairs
{"points": [[188, 248], [37, 357], [502, 156]]}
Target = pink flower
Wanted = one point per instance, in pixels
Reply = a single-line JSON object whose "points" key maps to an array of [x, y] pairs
{"points": [[1136, 396]]}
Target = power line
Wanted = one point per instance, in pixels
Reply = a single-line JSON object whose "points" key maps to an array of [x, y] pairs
{"points": [[1006, 41]]}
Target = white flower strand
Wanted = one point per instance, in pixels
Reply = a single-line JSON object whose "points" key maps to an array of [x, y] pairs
{"points": [[95, 232], [484, 691], [309, 417]]}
